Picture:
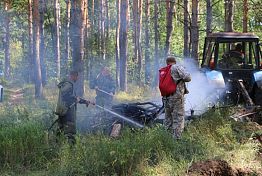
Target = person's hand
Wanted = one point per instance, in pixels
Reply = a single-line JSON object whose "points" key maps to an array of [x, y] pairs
{"points": [[96, 87], [111, 94], [77, 99], [89, 102]]}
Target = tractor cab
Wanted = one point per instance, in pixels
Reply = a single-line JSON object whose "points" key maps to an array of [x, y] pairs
{"points": [[229, 57]]}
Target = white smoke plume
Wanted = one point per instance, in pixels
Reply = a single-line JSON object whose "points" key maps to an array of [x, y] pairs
{"points": [[201, 94]]}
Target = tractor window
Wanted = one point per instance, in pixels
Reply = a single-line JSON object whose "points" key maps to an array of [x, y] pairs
{"points": [[209, 54], [250, 54], [260, 53], [236, 55]]}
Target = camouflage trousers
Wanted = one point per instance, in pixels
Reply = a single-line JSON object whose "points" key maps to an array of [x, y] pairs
{"points": [[174, 115], [68, 129]]}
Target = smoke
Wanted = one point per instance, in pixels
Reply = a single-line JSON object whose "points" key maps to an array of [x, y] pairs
{"points": [[201, 94]]}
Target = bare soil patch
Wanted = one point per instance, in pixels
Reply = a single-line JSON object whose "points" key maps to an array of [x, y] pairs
{"points": [[216, 168]]}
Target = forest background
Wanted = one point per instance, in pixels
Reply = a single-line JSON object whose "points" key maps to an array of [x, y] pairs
{"points": [[43, 39]]}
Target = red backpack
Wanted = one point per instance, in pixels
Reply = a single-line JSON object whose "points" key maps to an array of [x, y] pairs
{"points": [[167, 85]]}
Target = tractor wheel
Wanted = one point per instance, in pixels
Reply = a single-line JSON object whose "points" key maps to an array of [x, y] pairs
{"points": [[258, 96]]}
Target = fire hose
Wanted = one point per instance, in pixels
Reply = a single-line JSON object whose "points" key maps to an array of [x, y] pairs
{"points": [[84, 101], [121, 117], [113, 113], [100, 90]]}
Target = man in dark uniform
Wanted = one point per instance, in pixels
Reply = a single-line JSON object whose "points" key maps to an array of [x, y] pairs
{"points": [[105, 88], [67, 105], [233, 59]]}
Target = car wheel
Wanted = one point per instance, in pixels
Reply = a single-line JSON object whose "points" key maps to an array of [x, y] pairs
{"points": [[258, 96]]}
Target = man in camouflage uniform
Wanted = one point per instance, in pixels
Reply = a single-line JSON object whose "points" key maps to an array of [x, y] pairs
{"points": [[174, 103], [67, 121], [105, 88]]}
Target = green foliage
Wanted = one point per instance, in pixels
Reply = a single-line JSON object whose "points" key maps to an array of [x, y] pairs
{"points": [[151, 151], [22, 145], [115, 157]]}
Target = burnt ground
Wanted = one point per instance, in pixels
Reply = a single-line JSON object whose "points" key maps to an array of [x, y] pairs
{"points": [[217, 168]]}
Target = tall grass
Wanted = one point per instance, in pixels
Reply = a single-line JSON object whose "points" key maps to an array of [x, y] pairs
{"points": [[25, 150], [22, 145]]}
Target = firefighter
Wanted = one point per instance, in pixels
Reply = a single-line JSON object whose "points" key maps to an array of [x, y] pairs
{"points": [[105, 88], [174, 102], [66, 107]]}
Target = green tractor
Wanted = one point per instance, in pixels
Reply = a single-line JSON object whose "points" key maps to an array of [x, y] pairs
{"points": [[232, 63]]}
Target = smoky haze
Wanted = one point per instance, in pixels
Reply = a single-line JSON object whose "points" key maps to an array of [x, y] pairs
{"points": [[201, 94]]}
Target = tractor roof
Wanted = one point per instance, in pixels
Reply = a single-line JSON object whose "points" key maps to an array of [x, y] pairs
{"points": [[232, 36]]}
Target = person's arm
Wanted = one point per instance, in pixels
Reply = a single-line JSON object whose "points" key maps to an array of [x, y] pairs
{"points": [[179, 73]]}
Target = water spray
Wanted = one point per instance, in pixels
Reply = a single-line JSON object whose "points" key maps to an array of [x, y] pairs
{"points": [[120, 116]]}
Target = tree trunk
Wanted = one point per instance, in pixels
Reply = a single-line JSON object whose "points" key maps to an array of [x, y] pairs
{"points": [[123, 42], [30, 71], [67, 39], [117, 42], [209, 17], [229, 17], [194, 29], [135, 14], [139, 47], [57, 37], [147, 46], [245, 15], [102, 29], [36, 42], [186, 29], [86, 40], [7, 40], [170, 5], [137, 20], [107, 21], [95, 36], [77, 34], [156, 33], [42, 42]]}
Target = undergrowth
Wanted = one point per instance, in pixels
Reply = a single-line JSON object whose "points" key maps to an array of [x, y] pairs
{"points": [[26, 149]]}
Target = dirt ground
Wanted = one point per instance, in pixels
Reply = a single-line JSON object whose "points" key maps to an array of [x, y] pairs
{"points": [[216, 168]]}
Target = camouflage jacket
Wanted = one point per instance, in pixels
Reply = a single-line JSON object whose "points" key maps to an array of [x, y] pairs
{"points": [[68, 96], [105, 83], [67, 92], [180, 76]]}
